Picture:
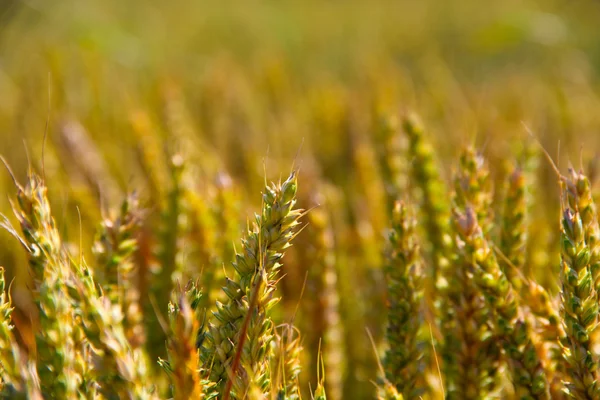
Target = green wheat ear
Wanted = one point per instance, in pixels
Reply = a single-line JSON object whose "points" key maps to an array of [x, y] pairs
{"points": [[238, 341], [403, 359], [471, 351], [512, 328], [579, 307]]}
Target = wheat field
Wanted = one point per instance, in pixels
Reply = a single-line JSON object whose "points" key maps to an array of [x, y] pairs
{"points": [[299, 200]]}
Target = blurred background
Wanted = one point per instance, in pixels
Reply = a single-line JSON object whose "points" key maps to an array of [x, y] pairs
{"points": [[244, 90]]}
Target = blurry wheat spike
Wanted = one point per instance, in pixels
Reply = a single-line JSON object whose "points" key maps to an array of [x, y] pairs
{"points": [[226, 214], [204, 246], [323, 330], [513, 237], [114, 249], [214, 225], [238, 341], [393, 148], [58, 359], [370, 213], [16, 379], [471, 352], [83, 159], [403, 363], [435, 210], [183, 132], [170, 245], [149, 153], [286, 363], [370, 181], [171, 232], [512, 328], [579, 269], [183, 359]]}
